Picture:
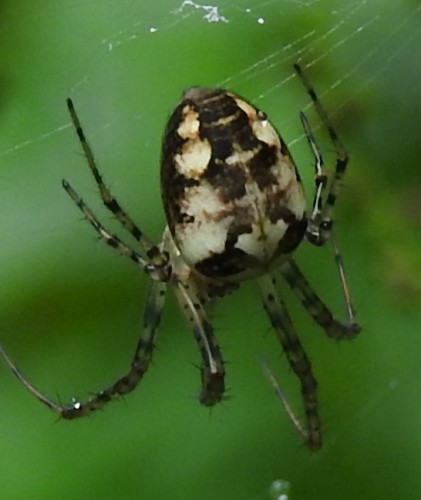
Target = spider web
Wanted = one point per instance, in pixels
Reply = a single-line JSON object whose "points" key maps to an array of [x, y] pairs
{"points": [[348, 26], [125, 64]]}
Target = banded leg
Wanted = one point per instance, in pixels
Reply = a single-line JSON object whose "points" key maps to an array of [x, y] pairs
{"points": [[320, 180], [126, 383], [108, 199], [298, 361], [320, 223], [212, 367], [316, 308], [155, 272]]}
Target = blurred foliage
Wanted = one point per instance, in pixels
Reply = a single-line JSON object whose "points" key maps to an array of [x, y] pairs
{"points": [[70, 310]]}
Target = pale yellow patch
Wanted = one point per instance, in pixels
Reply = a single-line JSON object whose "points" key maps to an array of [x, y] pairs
{"points": [[262, 242], [189, 127], [226, 120], [194, 159], [240, 157], [250, 111], [262, 128], [264, 131], [207, 234]]}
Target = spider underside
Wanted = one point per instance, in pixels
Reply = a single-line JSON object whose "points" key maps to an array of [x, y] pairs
{"points": [[228, 182]]}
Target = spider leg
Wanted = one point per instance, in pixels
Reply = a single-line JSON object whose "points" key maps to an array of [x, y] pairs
{"points": [[160, 273], [126, 383], [108, 199], [212, 368], [316, 308], [298, 360], [281, 395], [320, 223], [313, 229]]}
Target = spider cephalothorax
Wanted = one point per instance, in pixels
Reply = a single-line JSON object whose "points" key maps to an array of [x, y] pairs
{"points": [[235, 210]]}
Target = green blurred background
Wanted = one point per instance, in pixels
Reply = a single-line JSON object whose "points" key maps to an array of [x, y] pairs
{"points": [[71, 308]]}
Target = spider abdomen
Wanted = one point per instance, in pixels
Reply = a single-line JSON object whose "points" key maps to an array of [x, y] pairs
{"points": [[232, 195]]}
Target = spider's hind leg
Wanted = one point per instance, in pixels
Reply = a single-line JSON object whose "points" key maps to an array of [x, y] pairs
{"points": [[125, 384], [298, 360], [321, 314], [212, 367]]}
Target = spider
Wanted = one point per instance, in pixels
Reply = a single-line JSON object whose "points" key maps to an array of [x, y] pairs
{"points": [[235, 210]]}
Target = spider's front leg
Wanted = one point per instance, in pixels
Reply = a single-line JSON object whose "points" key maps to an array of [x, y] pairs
{"points": [[110, 202], [298, 360], [156, 264], [320, 222]]}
